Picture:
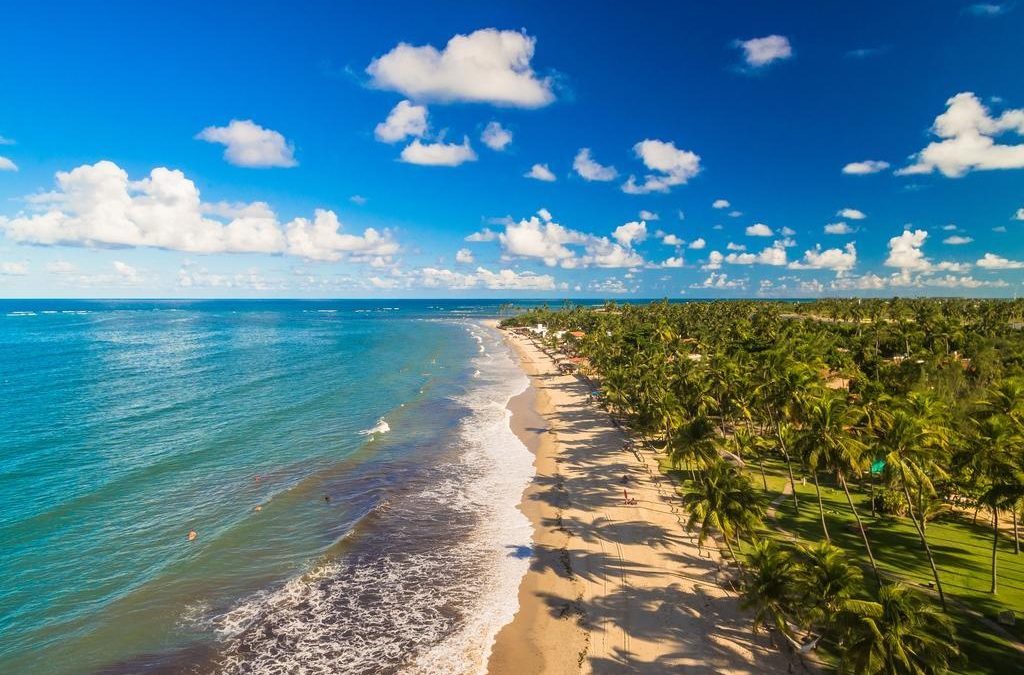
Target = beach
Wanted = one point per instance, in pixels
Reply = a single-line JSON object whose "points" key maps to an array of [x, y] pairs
{"points": [[611, 587]]}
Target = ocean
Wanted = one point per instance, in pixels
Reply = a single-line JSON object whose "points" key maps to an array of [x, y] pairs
{"points": [[347, 468]]}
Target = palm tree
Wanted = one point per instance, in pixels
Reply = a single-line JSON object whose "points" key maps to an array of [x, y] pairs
{"points": [[829, 442], [910, 450], [723, 499], [901, 633], [769, 586], [827, 578]]}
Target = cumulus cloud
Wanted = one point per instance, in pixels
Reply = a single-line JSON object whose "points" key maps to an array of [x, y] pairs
{"points": [[669, 165], [249, 145], [495, 136], [905, 251], [540, 172], [672, 240], [720, 204], [673, 262], [839, 260], [759, 230], [957, 240], [588, 169], [7, 165], [126, 271], [630, 233], [838, 228], [505, 279], [762, 51], [438, 154], [968, 132], [1019, 215], [649, 215], [539, 237], [698, 243], [404, 120], [735, 247], [866, 167], [485, 234], [720, 281], [774, 255], [464, 256], [852, 214], [486, 66], [97, 205], [991, 261]]}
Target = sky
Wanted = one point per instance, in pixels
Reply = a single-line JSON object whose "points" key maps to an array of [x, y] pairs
{"points": [[500, 149]]}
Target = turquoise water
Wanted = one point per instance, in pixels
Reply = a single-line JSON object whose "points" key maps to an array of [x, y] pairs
{"points": [[346, 467]]}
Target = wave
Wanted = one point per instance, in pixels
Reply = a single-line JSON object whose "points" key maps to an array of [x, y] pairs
{"points": [[381, 427]]}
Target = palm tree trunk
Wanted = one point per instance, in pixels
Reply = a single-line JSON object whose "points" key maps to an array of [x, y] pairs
{"points": [[927, 548], [995, 545], [821, 507], [860, 526], [789, 465], [1016, 537]]}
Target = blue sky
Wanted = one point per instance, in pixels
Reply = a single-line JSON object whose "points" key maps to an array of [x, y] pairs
{"points": [[260, 149]]}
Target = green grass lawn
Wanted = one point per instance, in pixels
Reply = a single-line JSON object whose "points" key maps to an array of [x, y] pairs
{"points": [[962, 552]]}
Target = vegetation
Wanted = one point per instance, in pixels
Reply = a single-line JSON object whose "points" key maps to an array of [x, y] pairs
{"points": [[905, 416]]}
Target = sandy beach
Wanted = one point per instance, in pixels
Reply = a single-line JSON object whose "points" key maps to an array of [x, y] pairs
{"points": [[612, 587]]}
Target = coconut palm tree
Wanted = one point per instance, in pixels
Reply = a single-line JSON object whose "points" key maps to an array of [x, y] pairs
{"points": [[911, 450], [899, 633], [827, 578], [769, 587], [722, 499]]}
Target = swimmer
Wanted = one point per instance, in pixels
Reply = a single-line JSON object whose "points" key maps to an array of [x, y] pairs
{"points": [[258, 508], [192, 535]]}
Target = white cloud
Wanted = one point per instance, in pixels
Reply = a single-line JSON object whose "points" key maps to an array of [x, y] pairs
{"points": [[866, 167], [968, 134], [774, 255], [787, 232], [505, 279], [838, 228], [759, 52], [542, 238], [485, 234], [540, 172], [670, 166], [358, 200], [720, 204], [868, 282], [905, 252], [721, 281], [735, 247], [957, 240], [495, 136], [672, 240], [839, 260], [759, 230], [250, 145], [14, 269], [97, 205], [999, 228], [991, 261], [438, 154], [486, 66], [630, 233], [852, 214], [126, 271], [673, 262], [7, 165], [589, 169], [404, 120], [698, 243], [949, 228], [649, 215], [1019, 215], [464, 256]]}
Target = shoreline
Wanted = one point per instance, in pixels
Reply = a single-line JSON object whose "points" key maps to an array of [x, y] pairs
{"points": [[611, 587]]}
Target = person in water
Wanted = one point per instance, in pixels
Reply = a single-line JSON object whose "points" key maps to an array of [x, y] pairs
{"points": [[192, 535]]}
